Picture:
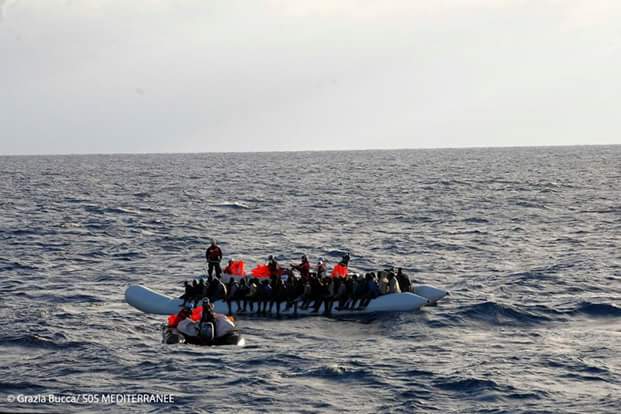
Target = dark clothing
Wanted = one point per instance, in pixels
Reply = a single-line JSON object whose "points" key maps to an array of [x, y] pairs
{"points": [[214, 266], [187, 294], [404, 282], [213, 255], [273, 267], [303, 268]]}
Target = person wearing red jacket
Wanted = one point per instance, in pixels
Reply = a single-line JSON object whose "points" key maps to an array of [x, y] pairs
{"points": [[303, 267], [213, 255]]}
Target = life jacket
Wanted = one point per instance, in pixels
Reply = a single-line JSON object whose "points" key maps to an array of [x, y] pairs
{"points": [[340, 270], [261, 271], [235, 268], [197, 313], [173, 320]]}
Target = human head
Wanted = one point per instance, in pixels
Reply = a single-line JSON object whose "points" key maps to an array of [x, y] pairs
{"points": [[213, 242]]}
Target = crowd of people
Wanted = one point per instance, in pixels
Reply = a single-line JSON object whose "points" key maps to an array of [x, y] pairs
{"points": [[300, 286]]}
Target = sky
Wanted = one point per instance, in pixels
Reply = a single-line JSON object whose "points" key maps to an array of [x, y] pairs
{"points": [[118, 76]]}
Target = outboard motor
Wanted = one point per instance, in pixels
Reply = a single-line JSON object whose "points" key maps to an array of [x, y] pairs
{"points": [[207, 331]]}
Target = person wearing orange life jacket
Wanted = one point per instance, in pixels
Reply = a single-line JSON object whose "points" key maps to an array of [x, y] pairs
{"points": [[174, 320], [213, 255]]}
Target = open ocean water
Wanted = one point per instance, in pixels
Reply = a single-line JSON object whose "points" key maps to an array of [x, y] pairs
{"points": [[527, 240]]}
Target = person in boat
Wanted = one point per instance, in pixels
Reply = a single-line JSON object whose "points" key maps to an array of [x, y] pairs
{"points": [[293, 291], [393, 283], [232, 294], [383, 282], [207, 323], [213, 255], [307, 292], [322, 268], [273, 267], [330, 296], [341, 293], [264, 296], [404, 281], [183, 313], [321, 294], [195, 292], [187, 294], [242, 292], [372, 290], [362, 292], [218, 291], [277, 294], [352, 291], [201, 289], [303, 267], [253, 292]]}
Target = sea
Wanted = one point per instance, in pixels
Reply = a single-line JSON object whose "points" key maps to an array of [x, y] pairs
{"points": [[526, 240]]}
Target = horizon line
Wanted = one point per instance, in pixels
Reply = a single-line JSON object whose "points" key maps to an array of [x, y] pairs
{"points": [[305, 150]]}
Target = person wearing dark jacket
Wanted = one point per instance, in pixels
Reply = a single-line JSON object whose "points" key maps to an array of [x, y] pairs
{"points": [[404, 281], [213, 255], [264, 296], [187, 294], [273, 267], [293, 293], [196, 292], [278, 291], [232, 294]]}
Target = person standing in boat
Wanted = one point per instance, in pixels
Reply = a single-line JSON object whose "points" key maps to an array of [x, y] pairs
{"points": [[273, 267], [213, 255]]}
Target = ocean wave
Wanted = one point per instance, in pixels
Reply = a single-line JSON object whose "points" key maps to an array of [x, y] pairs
{"points": [[500, 314], [40, 342], [529, 327], [597, 310], [467, 385]]}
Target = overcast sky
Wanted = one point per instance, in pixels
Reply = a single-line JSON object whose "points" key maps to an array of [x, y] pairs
{"points": [[96, 76]]}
